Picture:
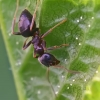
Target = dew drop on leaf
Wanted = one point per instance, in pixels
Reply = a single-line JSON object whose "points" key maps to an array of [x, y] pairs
{"points": [[89, 25], [58, 86], [92, 17], [31, 78], [39, 92], [56, 92], [97, 71], [67, 87], [17, 43], [9, 34], [76, 38], [81, 17], [79, 43], [63, 76], [73, 80], [78, 21], [71, 84]]}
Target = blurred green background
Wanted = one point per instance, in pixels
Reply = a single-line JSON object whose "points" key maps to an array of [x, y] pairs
{"points": [[7, 85]]}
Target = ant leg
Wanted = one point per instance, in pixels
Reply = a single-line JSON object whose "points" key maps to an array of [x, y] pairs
{"points": [[49, 80], [53, 28], [14, 20], [26, 45], [34, 54], [34, 16], [56, 47], [69, 71], [44, 45]]}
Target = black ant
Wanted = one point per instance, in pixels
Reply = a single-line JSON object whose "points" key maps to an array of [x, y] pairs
{"points": [[27, 27]]}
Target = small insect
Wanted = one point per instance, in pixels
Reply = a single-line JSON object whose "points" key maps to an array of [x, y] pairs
{"points": [[27, 27]]}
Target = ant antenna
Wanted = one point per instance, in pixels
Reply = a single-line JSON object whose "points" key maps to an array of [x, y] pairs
{"points": [[49, 81], [14, 18]]}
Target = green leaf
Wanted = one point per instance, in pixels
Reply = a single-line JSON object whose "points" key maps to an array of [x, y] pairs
{"points": [[81, 32], [93, 88]]}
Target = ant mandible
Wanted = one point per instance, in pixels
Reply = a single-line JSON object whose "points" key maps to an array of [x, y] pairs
{"points": [[27, 27]]}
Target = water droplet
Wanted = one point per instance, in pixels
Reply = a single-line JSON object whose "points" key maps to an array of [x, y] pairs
{"points": [[58, 86], [85, 80], [19, 63], [67, 87], [63, 76], [56, 92], [71, 84], [92, 17], [65, 60], [9, 34], [81, 17], [79, 43], [39, 92], [16, 64], [78, 21], [97, 71], [89, 25], [73, 80], [31, 78], [17, 43], [76, 38]]}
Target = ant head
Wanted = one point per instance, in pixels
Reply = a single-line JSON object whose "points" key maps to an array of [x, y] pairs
{"points": [[48, 60]]}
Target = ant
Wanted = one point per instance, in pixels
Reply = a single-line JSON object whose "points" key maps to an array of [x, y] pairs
{"points": [[27, 27]]}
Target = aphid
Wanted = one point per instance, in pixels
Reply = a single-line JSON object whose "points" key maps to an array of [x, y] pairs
{"points": [[27, 27]]}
